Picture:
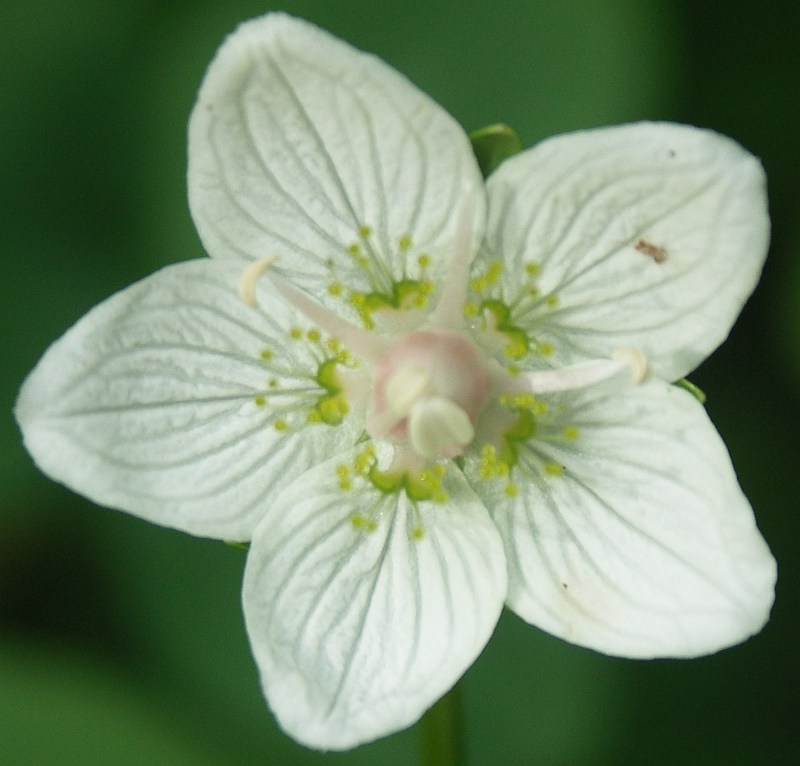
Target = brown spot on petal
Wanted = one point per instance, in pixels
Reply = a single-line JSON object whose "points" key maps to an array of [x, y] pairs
{"points": [[658, 254]]}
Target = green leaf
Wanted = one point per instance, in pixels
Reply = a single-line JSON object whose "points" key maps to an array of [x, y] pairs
{"points": [[493, 144]]}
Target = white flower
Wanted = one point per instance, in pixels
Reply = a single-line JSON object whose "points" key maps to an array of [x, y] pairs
{"points": [[420, 397]]}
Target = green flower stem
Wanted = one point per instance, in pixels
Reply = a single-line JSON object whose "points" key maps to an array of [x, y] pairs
{"points": [[442, 732]]}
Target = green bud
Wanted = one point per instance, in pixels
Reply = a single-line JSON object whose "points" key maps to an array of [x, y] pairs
{"points": [[696, 392], [493, 144]]}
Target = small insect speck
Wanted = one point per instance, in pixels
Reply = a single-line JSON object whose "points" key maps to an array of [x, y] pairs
{"points": [[658, 254]]}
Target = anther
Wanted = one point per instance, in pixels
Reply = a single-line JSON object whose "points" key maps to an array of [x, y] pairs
{"points": [[635, 360], [247, 283]]}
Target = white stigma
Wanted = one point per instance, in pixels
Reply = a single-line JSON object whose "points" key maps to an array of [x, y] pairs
{"points": [[406, 387], [428, 390], [437, 427]]}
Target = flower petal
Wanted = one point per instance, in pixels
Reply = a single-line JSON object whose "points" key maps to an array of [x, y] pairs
{"points": [[158, 402], [645, 546], [650, 235], [357, 630], [298, 141]]}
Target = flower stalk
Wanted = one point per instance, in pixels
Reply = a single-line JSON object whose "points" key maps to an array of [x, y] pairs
{"points": [[441, 732]]}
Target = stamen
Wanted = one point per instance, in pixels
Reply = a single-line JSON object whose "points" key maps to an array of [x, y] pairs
{"points": [[449, 311], [247, 283], [361, 342], [589, 373], [368, 345]]}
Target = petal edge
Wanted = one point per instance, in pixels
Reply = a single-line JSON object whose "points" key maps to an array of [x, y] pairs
{"points": [[357, 632]]}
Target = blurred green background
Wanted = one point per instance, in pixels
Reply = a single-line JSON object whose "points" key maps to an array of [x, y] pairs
{"points": [[122, 643]]}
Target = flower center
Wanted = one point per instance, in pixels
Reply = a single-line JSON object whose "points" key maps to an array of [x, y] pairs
{"points": [[428, 389]]}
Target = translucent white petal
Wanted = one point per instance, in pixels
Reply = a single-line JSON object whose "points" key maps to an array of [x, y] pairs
{"points": [[645, 546], [298, 140], [150, 404], [650, 235], [357, 632]]}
